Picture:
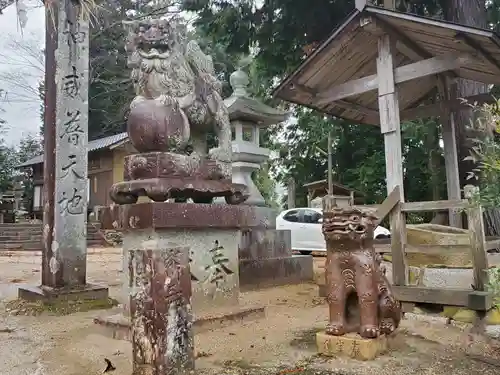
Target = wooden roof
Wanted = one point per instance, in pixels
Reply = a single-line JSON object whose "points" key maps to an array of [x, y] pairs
{"points": [[350, 53], [338, 189]]}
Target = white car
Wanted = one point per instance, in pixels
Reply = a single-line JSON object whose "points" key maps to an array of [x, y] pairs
{"points": [[305, 225]]}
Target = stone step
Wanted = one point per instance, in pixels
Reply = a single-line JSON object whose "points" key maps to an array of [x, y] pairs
{"points": [[38, 237], [37, 245], [90, 229], [21, 239]]}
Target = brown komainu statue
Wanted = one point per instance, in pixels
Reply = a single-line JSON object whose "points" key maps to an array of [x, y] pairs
{"points": [[359, 295]]}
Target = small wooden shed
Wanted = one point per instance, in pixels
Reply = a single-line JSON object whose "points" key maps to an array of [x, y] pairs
{"points": [[376, 69], [341, 193]]}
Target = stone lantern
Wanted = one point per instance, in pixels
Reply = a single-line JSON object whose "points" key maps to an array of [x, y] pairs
{"points": [[265, 255], [248, 116]]}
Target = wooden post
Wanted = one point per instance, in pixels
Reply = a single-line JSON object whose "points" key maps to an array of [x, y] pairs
{"points": [[291, 193], [391, 129], [328, 202], [360, 4], [477, 239], [478, 251], [390, 4], [450, 153], [160, 312], [330, 164]]}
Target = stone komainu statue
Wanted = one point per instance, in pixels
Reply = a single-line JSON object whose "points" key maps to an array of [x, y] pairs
{"points": [[178, 103], [358, 293], [174, 71]]}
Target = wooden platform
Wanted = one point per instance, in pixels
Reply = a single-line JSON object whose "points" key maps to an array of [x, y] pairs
{"points": [[471, 299]]}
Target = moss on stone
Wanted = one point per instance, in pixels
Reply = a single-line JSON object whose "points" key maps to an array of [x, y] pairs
{"points": [[305, 339], [468, 316], [23, 307], [413, 275]]}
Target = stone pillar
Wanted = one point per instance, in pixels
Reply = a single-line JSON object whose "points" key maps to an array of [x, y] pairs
{"points": [[160, 311], [69, 245], [64, 258]]}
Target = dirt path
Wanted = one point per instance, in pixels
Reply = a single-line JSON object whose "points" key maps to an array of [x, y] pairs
{"points": [[72, 345]]}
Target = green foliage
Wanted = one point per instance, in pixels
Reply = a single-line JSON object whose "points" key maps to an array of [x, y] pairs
{"points": [[485, 154], [28, 148], [494, 284], [278, 31], [3, 96], [7, 163], [266, 185], [111, 89]]}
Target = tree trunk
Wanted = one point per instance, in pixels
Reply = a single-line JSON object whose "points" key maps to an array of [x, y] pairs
{"points": [[432, 144], [434, 166], [470, 13]]}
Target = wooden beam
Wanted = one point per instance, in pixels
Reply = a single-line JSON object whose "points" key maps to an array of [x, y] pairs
{"points": [[450, 153], [479, 48], [435, 110], [493, 244], [477, 301], [383, 247], [429, 206], [390, 127], [474, 300], [390, 4], [402, 74], [404, 44], [371, 10], [388, 204], [477, 239], [371, 114]]}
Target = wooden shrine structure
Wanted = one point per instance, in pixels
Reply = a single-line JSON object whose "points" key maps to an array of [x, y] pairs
{"points": [[367, 72]]}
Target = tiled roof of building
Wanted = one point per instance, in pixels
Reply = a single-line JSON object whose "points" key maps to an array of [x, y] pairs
{"points": [[95, 145]]}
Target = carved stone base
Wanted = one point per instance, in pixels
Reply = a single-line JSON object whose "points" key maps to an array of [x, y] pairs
{"points": [[46, 294], [118, 326], [166, 175], [162, 189], [351, 345], [171, 165]]}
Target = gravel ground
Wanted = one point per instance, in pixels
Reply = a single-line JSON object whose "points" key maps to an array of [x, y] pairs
{"points": [[282, 343]]}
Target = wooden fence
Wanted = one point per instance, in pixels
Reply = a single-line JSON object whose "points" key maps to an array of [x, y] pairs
{"points": [[475, 299]]}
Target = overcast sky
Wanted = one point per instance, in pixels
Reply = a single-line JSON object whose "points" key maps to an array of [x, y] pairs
{"points": [[21, 70]]}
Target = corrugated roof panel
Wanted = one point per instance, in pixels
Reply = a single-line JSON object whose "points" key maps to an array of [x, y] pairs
{"points": [[95, 145]]}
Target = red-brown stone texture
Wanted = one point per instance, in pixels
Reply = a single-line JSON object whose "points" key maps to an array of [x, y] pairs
{"points": [[180, 215], [160, 312], [358, 294]]}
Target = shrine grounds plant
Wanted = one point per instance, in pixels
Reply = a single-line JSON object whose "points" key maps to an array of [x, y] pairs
{"points": [[485, 155]]}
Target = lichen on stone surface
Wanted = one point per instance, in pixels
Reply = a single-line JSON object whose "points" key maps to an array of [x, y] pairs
{"points": [[35, 308]]}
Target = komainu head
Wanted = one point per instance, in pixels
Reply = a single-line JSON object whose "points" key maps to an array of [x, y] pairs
{"points": [[348, 225], [154, 39]]}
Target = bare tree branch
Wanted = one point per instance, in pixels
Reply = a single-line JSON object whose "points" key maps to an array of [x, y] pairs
{"points": [[25, 61]]}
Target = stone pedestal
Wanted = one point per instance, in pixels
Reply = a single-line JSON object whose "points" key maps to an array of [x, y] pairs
{"points": [[47, 294], [213, 259], [265, 256], [266, 259], [211, 232], [351, 345], [160, 311]]}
